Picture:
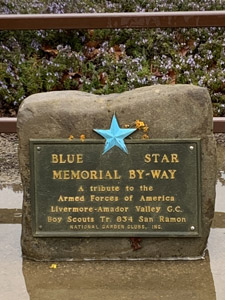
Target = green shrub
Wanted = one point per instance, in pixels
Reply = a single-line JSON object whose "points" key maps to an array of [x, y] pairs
{"points": [[110, 61]]}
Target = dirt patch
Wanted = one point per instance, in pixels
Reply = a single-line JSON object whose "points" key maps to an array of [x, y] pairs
{"points": [[220, 138], [9, 166]]}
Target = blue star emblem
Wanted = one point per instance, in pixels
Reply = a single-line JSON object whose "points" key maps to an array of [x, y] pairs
{"points": [[115, 135]]}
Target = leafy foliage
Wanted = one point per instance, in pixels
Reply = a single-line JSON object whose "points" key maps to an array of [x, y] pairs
{"points": [[110, 61]]}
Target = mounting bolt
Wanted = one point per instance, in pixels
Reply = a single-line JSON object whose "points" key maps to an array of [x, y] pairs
{"points": [[40, 227], [192, 228], [38, 148], [191, 147]]}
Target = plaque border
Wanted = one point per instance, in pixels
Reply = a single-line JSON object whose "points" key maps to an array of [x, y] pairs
{"points": [[41, 234]]}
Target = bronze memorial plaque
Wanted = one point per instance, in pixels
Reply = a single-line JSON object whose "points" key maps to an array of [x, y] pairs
{"points": [[151, 191]]}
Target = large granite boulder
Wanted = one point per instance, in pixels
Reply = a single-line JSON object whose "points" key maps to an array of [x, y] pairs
{"points": [[171, 112]]}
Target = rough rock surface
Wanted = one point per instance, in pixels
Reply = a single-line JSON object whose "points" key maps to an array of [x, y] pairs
{"points": [[171, 112]]}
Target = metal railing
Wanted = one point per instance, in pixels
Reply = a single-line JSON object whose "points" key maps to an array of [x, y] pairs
{"points": [[114, 20], [110, 21]]}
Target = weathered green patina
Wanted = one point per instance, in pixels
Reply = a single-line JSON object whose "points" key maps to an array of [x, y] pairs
{"points": [[154, 190]]}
